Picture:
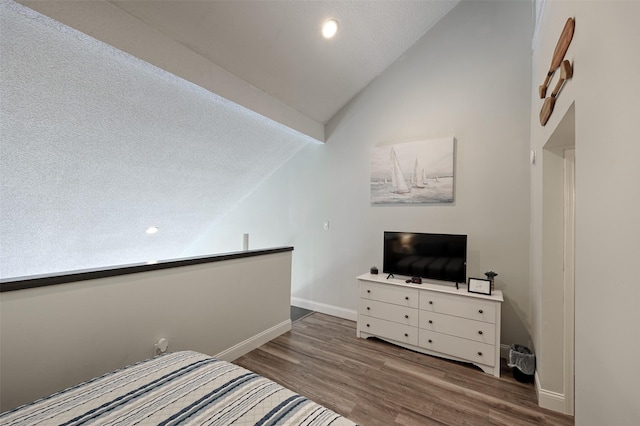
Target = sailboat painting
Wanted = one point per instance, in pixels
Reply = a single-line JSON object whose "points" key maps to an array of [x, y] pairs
{"points": [[413, 172]]}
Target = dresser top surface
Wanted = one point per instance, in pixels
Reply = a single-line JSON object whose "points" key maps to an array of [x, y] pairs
{"points": [[496, 295]]}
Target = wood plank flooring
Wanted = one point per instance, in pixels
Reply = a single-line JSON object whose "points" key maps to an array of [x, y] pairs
{"points": [[374, 383]]}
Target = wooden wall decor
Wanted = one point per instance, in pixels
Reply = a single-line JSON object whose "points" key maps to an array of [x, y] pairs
{"points": [[557, 61], [566, 72]]}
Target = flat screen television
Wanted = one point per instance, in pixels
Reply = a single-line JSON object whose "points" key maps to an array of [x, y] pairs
{"points": [[440, 257]]}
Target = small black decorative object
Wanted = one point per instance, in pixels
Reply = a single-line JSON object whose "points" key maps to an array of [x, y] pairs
{"points": [[374, 270], [491, 277]]}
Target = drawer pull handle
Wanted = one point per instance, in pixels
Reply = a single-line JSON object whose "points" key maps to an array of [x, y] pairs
{"points": [[368, 308], [480, 311], [406, 334], [406, 298], [368, 291], [430, 322], [479, 331], [431, 302], [430, 341], [367, 325], [406, 316], [479, 353]]}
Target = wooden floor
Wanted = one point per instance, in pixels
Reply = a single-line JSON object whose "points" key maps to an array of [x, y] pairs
{"points": [[375, 383]]}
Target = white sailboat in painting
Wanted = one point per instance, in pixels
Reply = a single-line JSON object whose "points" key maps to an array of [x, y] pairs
{"points": [[399, 184], [418, 175]]}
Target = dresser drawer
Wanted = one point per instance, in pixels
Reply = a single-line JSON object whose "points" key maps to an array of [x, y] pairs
{"points": [[469, 350], [387, 311], [466, 307], [394, 294], [457, 326], [388, 329]]}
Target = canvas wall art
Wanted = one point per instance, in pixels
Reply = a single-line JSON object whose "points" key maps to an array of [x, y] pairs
{"points": [[413, 172]]}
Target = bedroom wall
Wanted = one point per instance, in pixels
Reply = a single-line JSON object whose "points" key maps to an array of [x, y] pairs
{"points": [[98, 145], [469, 78], [605, 94], [57, 336]]}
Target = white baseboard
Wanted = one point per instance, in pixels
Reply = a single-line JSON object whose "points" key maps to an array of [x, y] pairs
{"points": [[547, 399], [254, 342], [335, 311]]}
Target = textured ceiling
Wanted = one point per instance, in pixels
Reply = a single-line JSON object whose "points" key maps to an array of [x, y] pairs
{"points": [[275, 46], [97, 146]]}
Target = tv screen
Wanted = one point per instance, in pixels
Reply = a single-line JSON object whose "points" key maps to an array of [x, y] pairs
{"points": [[432, 256]]}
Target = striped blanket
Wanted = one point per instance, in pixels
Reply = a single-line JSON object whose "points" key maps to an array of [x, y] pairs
{"points": [[172, 389]]}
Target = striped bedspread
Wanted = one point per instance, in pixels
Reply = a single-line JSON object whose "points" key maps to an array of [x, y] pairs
{"points": [[178, 388]]}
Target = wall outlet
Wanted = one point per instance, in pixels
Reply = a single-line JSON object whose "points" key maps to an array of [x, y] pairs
{"points": [[326, 225]]}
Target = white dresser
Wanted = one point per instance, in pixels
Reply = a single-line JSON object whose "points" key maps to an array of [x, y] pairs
{"points": [[433, 319]]}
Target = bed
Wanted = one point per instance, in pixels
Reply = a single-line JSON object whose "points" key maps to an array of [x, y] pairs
{"points": [[177, 388]]}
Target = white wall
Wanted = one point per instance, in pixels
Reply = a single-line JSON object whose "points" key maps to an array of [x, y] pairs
{"points": [[606, 92], [468, 78], [57, 336], [97, 146]]}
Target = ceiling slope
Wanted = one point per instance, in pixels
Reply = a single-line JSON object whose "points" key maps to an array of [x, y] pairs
{"points": [[268, 56]]}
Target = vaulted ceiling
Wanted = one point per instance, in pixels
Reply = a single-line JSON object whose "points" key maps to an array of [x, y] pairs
{"points": [[268, 56]]}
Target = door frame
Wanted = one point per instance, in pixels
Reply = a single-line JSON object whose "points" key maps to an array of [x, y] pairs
{"points": [[569, 280]]}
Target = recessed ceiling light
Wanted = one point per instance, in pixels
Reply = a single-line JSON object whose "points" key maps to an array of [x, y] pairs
{"points": [[152, 230], [329, 28]]}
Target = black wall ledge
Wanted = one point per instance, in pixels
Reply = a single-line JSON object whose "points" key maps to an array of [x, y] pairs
{"points": [[33, 281]]}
